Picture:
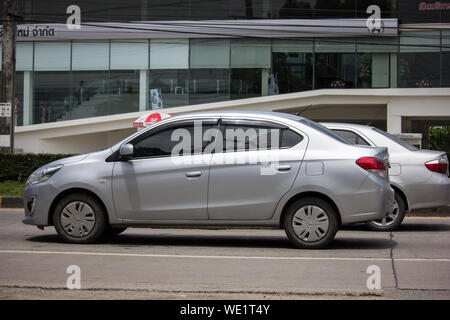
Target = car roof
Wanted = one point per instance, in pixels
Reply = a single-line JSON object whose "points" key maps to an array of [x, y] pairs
{"points": [[241, 113], [346, 125]]}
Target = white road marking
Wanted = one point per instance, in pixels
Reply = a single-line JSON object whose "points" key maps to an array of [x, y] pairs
{"points": [[179, 256]]}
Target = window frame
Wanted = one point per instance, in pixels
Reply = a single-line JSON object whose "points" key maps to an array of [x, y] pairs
{"points": [[360, 135], [255, 123], [154, 131]]}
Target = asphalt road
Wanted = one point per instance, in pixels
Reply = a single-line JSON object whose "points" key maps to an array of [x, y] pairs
{"points": [[414, 263]]}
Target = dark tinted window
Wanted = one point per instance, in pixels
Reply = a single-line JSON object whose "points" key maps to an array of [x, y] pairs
{"points": [[249, 137], [164, 142], [352, 137]]}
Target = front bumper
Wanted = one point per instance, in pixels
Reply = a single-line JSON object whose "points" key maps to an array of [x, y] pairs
{"points": [[37, 201]]}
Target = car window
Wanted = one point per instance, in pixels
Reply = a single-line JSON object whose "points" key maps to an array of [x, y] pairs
{"points": [[323, 130], [256, 137], [395, 139], [352, 137], [166, 141]]}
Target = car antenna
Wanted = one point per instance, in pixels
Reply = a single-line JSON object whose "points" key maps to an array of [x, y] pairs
{"points": [[304, 110]]}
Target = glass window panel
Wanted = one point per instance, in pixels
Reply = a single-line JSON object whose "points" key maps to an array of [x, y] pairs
{"points": [[50, 89], [247, 53], [445, 40], [24, 56], [51, 56], [388, 8], [297, 45], [372, 70], [169, 54], [210, 53], [292, 71], [420, 41], [335, 70], [209, 85], [446, 69], [419, 69], [245, 83], [335, 45], [377, 44], [173, 86], [129, 54], [124, 91], [90, 56]]}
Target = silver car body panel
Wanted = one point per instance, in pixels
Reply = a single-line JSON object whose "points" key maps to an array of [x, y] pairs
{"points": [[154, 192], [421, 187]]}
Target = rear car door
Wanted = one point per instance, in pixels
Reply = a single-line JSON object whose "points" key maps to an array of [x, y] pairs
{"points": [[155, 185], [253, 172]]}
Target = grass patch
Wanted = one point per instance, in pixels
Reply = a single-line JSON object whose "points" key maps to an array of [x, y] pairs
{"points": [[12, 188]]}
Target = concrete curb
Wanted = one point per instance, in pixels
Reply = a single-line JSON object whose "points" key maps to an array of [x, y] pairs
{"points": [[11, 202]]}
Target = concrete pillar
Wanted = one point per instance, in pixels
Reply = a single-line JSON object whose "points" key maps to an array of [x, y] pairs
{"points": [[380, 70], [28, 98], [143, 90], [265, 82], [394, 121], [393, 70]]}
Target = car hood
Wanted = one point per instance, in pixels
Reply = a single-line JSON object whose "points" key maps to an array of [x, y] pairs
{"points": [[69, 160]]}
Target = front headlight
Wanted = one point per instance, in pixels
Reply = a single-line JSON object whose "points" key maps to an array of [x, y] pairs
{"points": [[41, 175]]}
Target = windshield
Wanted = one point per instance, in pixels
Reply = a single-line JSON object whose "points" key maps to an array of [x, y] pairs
{"points": [[324, 130], [397, 140]]}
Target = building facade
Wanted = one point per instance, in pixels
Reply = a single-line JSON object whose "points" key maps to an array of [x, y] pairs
{"points": [[86, 85]]}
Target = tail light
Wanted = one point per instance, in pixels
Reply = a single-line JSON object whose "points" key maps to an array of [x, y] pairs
{"points": [[439, 165], [373, 165]]}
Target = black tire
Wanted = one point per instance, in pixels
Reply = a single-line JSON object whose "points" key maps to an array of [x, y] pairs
{"points": [[328, 235], [98, 215], [113, 231], [375, 225]]}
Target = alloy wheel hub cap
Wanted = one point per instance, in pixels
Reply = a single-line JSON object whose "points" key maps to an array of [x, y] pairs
{"points": [[310, 223], [390, 219], [78, 219]]}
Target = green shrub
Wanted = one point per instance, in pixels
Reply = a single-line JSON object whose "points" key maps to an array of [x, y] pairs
{"points": [[440, 139], [17, 167]]}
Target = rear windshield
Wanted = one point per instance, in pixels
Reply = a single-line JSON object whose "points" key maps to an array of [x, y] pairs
{"points": [[324, 130], [397, 140]]}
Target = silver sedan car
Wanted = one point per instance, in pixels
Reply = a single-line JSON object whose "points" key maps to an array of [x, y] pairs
{"points": [[215, 170], [419, 177]]}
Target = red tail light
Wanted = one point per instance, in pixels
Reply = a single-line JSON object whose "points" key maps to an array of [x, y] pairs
{"points": [[374, 166], [439, 166], [368, 163]]}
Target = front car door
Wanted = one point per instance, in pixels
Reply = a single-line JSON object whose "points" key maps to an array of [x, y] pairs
{"points": [[258, 165], [156, 184]]}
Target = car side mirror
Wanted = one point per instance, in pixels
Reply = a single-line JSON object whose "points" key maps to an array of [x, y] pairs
{"points": [[126, 151]]}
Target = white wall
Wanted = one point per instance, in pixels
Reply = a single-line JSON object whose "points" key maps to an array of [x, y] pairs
{"points": [[85, 135]]}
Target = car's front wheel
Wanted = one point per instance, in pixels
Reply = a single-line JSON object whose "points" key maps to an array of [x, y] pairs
{"points": [[393, 220], [79, 218], [311, 223]]}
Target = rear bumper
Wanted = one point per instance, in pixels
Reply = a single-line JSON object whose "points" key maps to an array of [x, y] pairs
{"points": [[433, 193], [372, 201]]}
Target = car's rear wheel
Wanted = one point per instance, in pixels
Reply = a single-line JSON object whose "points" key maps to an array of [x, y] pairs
{"points": [[79, 218], [311, 223], [393, 220]]}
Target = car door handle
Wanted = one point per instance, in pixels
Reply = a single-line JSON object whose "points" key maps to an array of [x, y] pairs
{"points": [[283, 167], [193, 174]]}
